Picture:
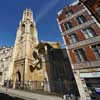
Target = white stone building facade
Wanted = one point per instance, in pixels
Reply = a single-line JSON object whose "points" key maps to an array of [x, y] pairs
{"points": [[5, 59]]}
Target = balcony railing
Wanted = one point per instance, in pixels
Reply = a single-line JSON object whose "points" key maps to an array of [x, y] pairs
{"points": [[84, 42], [80, 26], [87, 64], [73, 16]]}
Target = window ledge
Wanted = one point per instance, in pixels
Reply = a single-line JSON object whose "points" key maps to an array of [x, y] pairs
{"points": [[87, 64], [84, 42]]}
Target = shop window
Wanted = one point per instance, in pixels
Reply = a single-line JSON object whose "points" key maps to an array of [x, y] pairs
{"points": [[68, 25], [73, 38], [89, 32], [96, 50], [81, 19], [80, 54]]}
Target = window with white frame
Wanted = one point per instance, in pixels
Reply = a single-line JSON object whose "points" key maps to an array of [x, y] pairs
{"points": [[69, 13], [80, 54], [73, 38], [96, 50], [88, 33], [81, 19], [68, 25]]}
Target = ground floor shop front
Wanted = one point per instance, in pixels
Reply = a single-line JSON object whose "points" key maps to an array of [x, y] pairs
{"points": [[92, 81]]}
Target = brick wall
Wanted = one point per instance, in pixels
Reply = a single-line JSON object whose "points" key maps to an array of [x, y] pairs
{"points": [[88, 51]]}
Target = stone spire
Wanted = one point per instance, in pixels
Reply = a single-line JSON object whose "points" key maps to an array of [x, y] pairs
{"points": [[26, 41], [27, 15]]}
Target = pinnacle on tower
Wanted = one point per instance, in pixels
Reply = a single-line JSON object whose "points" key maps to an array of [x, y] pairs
{"points": [[27, 15], [27, 26]]}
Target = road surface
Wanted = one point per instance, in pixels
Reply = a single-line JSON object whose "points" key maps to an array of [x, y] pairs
{"points": [[7, 97]]}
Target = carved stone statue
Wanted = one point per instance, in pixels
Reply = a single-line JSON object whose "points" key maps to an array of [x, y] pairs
{"points": [[37, 64]]}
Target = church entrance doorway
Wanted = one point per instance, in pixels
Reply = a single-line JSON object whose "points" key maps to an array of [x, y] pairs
{"points": [[18, 79]]}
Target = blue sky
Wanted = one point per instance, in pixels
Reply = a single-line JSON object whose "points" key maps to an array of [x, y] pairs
{"points": [[44, 11]]}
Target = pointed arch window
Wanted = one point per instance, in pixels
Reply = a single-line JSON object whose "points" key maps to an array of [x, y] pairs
{"points": [[23, 28], [31, 28]]}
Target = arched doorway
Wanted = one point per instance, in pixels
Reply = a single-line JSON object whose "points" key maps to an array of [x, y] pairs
{"points": [[18, 80], [18, 76]]}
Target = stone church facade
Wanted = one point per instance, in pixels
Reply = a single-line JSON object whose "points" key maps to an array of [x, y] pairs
{"points": [[23, 63], [5, 58], [27, 62], [37, 65]]}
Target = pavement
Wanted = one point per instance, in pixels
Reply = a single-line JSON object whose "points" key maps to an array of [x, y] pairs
{"points": [[23, 95], [8, 97]]}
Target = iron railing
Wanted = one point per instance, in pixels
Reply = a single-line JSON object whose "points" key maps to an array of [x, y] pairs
{"points": [[59, 87]]}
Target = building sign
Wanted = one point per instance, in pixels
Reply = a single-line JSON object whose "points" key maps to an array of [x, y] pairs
{"points": [[90, 75]]}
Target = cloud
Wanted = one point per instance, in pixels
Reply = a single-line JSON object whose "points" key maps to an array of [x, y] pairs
{"points": [[46, 9]]}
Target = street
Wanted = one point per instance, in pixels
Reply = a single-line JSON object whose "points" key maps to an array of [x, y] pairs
{"points": [[7, 97], [18, 94]]}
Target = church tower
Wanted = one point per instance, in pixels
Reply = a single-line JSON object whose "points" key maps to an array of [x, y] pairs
{"points": [[26, 41]]}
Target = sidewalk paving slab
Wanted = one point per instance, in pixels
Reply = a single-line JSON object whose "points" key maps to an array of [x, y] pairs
{"points": [[28, 95]]}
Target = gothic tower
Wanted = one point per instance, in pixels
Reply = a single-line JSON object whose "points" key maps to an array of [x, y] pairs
{"points": [[26, 41]]}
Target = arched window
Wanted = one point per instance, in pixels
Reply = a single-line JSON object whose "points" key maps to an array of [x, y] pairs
{"points": [[23, 28], [81, 19], [73, 38], [31, 28], [89, 32], [68, 25]]}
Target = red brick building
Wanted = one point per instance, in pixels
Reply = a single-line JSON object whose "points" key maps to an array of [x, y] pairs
{"points": [[81, 33], [93, 6]]}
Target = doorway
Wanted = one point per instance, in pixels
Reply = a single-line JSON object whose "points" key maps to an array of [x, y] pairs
{"points": [[18, 80], [93, 85]]}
